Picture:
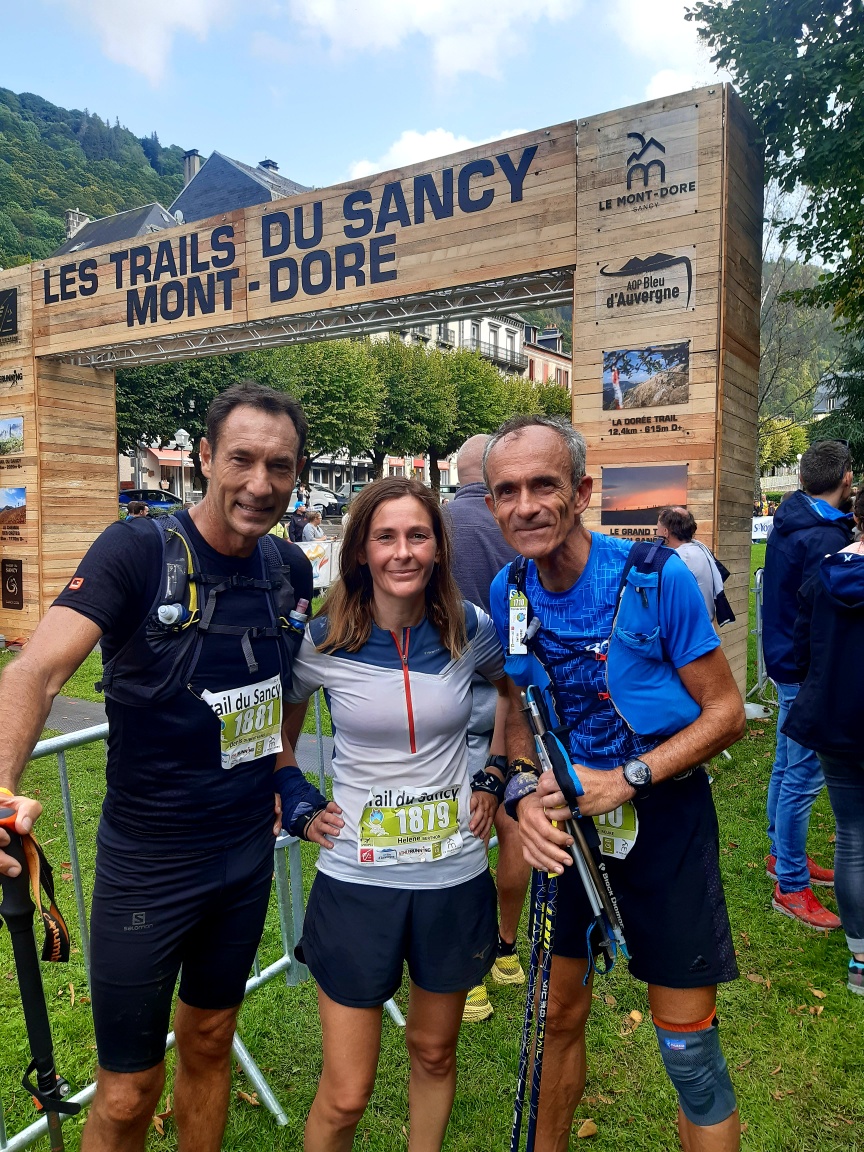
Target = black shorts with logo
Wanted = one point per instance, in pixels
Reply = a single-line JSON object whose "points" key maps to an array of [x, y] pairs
{"points": [[357, 937], [153, 914], [668, 889]]}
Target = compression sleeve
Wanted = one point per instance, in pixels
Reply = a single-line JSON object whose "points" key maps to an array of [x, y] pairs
{"points": [[300, 799], [684, 624]]}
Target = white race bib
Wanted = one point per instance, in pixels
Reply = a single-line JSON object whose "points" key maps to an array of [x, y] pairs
{"points": [[251, 719], [409, 825]]}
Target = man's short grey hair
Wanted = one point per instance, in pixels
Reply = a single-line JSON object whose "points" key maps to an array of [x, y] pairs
{"points": [[573, 438]]}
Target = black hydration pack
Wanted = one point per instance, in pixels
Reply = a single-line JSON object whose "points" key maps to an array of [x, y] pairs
{"points": [[161, 657]]}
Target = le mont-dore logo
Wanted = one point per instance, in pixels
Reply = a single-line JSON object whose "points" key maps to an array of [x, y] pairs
{"points": [[9, 316], [662, 281], [660, 167]]}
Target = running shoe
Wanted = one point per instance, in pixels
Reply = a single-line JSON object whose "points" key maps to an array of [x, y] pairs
{"points": [[805, 907], [819, 877], [507, 969], [855, 982], [477, 1006]]}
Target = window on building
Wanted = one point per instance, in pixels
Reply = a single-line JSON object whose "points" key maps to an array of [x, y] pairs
{"points": [[493, 338], [397, 469], [566, 378], [510, 340], [531, 368], [558, 377], [445, 476], [475, 334]]}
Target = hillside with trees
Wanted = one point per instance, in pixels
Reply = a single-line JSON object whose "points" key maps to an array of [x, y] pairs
{"points": [[55, 158]]}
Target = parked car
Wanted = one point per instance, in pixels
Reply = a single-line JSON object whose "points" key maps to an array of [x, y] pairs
{"points": [[346, 492], [156, 499], [323, 500]]}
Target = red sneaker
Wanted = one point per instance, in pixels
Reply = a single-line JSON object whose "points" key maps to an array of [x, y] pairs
{"points": [[805, 907], [819, 877]]}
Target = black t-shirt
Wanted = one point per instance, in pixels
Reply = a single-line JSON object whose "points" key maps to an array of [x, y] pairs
{"points": [[165, 779]]}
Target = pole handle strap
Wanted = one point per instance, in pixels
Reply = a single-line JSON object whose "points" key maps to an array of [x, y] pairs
{"points": [[55, 948], [49, 1101]]}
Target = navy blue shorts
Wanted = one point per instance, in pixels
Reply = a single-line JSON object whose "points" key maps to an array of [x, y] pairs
{"points": [[357, 937], [669, 892], [153, 914]]}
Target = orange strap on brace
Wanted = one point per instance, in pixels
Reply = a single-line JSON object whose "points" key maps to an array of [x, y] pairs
{"points": [[700, 1026]]}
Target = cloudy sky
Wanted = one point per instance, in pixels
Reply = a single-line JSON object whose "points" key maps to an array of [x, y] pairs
{"points": [[335, 88]]}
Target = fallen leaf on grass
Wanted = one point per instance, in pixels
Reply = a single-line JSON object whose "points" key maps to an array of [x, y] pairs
{"points": [[71, 995], [159, 1125], [249, 1098], [160, 1117], [816, 992], [605, 1099], [589, 1128], [817, 1009], [610, 1000], [631, 1023], [779, 1068], [831, 838], [767, 981], [744, 1064], [744, 1128], [755, 978], [745, 938]]}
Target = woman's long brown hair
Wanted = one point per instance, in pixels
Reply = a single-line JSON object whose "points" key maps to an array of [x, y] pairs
{"points": [[348, 605]]}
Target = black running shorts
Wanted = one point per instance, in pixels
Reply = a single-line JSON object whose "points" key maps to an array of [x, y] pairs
{"points": [[153, 914], [356, 938], [669, 892]]}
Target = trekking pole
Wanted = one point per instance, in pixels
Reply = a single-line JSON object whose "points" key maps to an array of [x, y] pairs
{"points": [[17, 909], [538, 906], [594, 877], [549, 915]]}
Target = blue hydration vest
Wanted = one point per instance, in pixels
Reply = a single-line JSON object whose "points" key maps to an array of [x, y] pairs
{"points": [[642, 684]]}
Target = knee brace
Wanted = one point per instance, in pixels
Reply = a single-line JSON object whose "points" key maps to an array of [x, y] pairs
{"points": [[692, 1058]]}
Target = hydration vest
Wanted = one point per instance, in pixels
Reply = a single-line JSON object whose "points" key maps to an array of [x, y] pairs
{"points": [[161, 658], [642, 684]]}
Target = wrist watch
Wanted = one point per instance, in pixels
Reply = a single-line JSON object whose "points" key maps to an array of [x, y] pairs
{"points": [[638, 776]]}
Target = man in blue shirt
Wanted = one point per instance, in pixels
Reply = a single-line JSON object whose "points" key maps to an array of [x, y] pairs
{"points": [[808, 525], [639, 734]]}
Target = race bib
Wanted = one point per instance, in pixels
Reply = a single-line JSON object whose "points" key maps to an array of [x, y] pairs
{"points": [[251, 719], [518, 605], [618, 830], [409, 825]]}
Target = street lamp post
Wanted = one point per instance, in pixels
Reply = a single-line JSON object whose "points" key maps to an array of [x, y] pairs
{"points": [[183, 440]]}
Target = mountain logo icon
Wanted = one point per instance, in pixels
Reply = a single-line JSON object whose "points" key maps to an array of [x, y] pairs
{"points": [[659, 262], [8, 313], [638, 165]]}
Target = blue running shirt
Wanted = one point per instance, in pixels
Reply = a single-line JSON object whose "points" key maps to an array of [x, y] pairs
{"points": [[580, 620]]}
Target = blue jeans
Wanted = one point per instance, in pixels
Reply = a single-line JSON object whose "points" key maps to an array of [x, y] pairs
{"points": [[796, 781], [845, 780]]}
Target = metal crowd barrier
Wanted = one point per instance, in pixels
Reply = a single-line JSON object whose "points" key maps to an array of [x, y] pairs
{"points": [[288, 872], [763, 684]]}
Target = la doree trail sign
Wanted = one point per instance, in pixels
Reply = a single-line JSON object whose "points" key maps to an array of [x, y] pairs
{"points": [[648, 220]]}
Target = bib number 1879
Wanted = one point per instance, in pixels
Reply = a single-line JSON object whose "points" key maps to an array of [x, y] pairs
{"points": [[423, 818]]}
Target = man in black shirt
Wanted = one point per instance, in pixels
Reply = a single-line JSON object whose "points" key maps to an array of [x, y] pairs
{"points": [[197, 654]]}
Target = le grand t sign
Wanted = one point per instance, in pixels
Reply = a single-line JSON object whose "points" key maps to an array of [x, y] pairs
{"points": [[315, 248]]}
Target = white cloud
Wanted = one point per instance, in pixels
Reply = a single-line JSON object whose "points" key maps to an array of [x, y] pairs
{"points": [[659, 34], [465, 35], [412, 147], [140, 35]]}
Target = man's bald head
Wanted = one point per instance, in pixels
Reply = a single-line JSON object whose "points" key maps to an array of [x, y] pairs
{"points": [[469, 462]]}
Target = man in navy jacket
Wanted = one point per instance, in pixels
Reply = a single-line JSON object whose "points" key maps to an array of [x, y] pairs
{"points": [[807, 526]]}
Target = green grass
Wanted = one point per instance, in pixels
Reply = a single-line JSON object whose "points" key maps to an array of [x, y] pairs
{"points": [[798, 1074]]}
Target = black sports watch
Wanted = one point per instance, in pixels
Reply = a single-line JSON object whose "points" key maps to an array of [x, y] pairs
{"points": [[638, 776]]}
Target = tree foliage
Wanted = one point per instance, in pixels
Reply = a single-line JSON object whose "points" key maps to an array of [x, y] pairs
{"points": [[780, 442], [799, 65], [53, 158], [846, 422]]}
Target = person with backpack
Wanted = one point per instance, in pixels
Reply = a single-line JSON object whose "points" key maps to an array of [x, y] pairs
{"points": [[676, 527], [192, 612], [808, 525], [618, 637]]}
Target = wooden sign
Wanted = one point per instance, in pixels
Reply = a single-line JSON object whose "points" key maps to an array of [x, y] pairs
{"points": [[656, 208]]}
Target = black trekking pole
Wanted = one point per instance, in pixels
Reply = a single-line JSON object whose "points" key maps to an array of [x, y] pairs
{"points": [[17, 909]]}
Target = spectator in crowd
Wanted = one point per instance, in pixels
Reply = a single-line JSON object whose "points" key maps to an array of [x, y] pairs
{"points": [[478, 555], [807, 525], [829, 641], [297, 522], [676, 527], [279, 530], [312, 529], [136, 508]]}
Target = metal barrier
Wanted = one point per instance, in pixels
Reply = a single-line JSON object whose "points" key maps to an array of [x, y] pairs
{"points": [[763, 681], [288, 872]]}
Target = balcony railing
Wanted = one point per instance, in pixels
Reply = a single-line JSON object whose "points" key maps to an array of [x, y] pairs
{"points": [[497, 354]]}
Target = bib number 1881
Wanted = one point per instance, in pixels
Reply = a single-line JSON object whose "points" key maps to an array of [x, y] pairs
{"points": [[253, 719]]}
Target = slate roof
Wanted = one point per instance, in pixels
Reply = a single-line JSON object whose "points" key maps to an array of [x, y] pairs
{"points": [[223, 185], [120, 226]]}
